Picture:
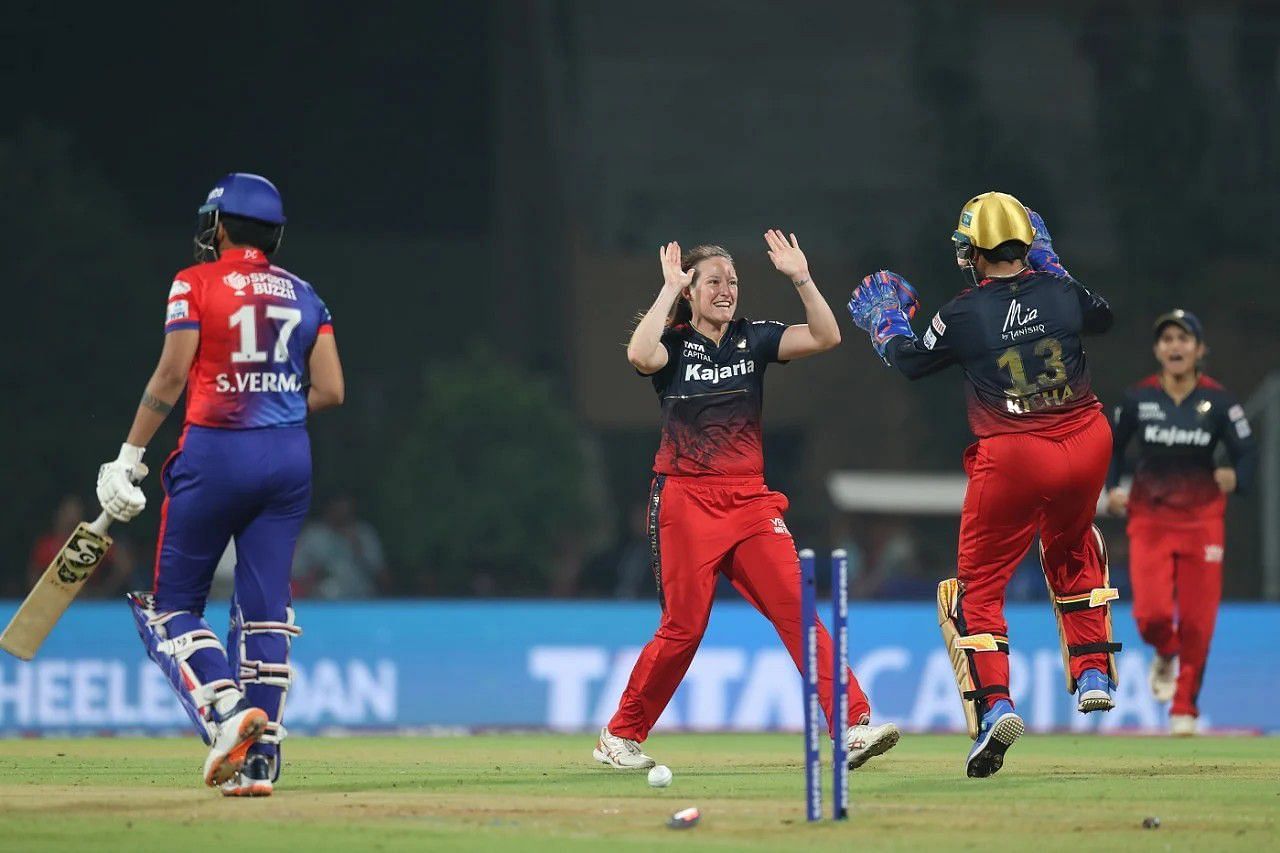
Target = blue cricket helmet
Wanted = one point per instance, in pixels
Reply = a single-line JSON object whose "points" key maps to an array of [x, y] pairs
{"points": [[243, 195]]}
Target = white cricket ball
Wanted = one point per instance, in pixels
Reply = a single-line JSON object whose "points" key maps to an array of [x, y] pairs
{"points": [[660, 776]]}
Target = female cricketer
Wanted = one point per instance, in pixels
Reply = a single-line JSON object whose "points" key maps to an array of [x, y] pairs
{"points": [[1039, 462], [1178, 417], [240, 333], [710, 511]]}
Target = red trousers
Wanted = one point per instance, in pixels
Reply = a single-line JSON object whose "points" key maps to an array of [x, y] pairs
{"points": [[701, 527], [1176, 572], [1021, 484]]}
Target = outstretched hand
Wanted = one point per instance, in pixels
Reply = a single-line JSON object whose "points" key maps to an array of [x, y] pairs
{"points": [[786, 256], [672, 274], [882, 306]]}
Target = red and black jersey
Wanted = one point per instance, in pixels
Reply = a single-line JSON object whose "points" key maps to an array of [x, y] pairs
{"points": [[1018, 341], [1173, 477], [712, 399]]}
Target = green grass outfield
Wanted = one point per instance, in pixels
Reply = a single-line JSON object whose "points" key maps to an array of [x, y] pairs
{"points": [[543, 792]]}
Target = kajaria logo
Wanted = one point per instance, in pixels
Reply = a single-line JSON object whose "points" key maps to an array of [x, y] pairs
{"points": [[1172, 436], [698, 373]]}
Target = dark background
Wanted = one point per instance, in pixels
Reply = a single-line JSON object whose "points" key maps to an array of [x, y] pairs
{"points": [[476, 190]]}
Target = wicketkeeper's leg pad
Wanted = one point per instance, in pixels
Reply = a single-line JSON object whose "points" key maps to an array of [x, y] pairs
{"points": [[1066, 605], [960, 649], [260, 654], [189, 653]]}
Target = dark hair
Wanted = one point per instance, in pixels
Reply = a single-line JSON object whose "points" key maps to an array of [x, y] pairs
{"points": [[244, 231], [1009, 250]]}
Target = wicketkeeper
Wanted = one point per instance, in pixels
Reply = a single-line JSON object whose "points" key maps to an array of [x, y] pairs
{"points": [[1039, 462]]}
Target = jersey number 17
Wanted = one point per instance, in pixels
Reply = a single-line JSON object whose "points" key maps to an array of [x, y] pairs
{"points": [[246, 319]]}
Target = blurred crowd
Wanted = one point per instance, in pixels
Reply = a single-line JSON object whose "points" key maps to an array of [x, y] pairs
{"points": [[340, 557]]}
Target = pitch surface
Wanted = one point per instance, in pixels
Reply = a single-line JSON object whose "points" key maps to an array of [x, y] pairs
{"points": [[543, 792]]}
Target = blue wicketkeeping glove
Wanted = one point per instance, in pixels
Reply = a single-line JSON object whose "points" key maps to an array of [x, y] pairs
{"points": [[882, 306], [1042, 258]]}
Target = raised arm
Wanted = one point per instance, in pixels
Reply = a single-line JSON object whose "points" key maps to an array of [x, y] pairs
{"points": [[820, 331], [645, 350]]}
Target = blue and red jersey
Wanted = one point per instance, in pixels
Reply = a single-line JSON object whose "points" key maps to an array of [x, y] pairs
{"points": [[257, 324]]}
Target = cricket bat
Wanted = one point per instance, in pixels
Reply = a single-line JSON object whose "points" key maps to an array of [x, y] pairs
{"points": [[59, 584]]}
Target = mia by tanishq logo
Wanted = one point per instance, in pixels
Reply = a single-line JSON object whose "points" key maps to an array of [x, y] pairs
{"points": [[1017, 322]]}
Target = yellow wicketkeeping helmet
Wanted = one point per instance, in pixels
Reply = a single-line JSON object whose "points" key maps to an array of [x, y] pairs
{"points": [[993, 218]]}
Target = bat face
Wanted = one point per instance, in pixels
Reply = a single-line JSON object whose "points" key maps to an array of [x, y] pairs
{"points": [[54, 591], [81, 555]]}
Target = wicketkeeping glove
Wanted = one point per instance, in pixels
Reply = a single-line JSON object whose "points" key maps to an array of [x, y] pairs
{"points": [[882, 306], [118, 491], [1041, 257]]}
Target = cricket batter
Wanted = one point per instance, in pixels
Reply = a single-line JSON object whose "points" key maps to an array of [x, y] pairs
{"points": [[1178, 417], [710, 512], [1039, 463], [240, 334]]}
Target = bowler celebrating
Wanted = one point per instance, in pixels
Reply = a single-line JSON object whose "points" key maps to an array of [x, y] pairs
{"points": [[710, 512], [1178, 417], [240, 333], [1038, 465]]}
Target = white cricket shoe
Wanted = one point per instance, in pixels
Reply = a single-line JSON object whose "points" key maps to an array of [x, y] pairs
{"points": [[253, 780], [864, 741], [1182, 725], [1163, 677], [235, 736], [621, 753]]}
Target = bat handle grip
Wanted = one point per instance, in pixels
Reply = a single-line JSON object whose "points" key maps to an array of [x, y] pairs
{"points": [[100, 524]]}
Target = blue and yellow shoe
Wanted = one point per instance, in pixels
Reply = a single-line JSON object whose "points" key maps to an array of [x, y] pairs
{"points": [[1000, 727], [1093, 691]]}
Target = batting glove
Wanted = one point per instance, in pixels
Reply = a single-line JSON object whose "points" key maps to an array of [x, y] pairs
{"points": [[118, 491]]}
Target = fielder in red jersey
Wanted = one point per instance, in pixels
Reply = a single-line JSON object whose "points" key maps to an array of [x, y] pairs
{"points": [[1038, 465], [710, 512], [1178, 418]]}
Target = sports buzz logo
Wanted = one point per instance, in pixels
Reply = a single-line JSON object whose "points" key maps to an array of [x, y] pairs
{"points": [[80, 557]]}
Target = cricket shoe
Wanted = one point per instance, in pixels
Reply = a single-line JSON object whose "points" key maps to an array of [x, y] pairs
{"points": [[999, 729], [1093, 692], [253, 780], [1182, 725], [865, 741], [235, 735], [1163, 677], [620, 752]]}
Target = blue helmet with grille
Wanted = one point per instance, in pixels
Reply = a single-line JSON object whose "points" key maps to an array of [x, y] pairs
{"points": [[242, 195]]}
